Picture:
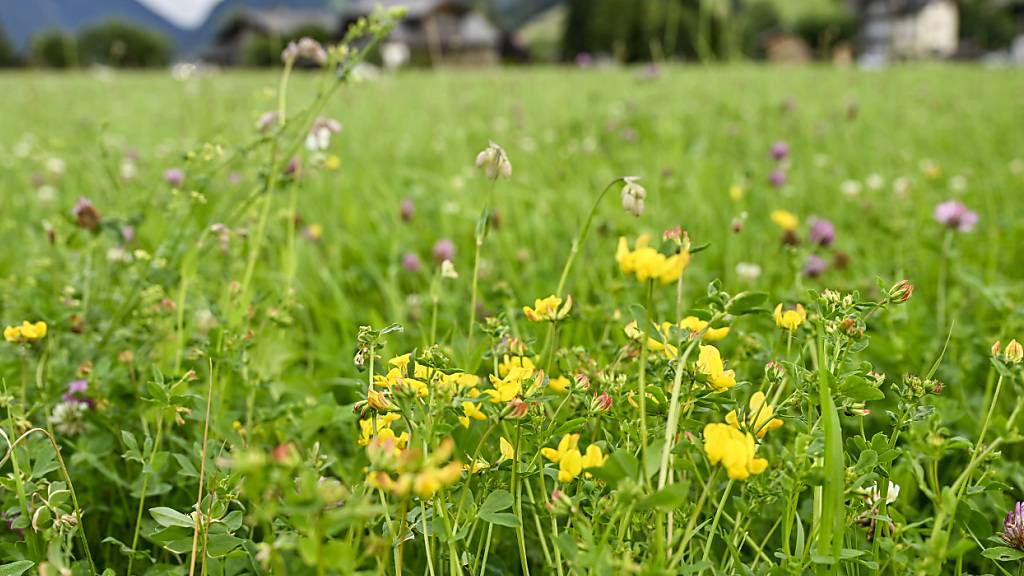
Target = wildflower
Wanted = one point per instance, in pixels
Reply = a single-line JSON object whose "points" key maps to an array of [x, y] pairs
{"points": [[470, 412], [411, 262], [779, 150], [956, 216], [76, 393], [448, 270], [850, 188], [874, 495], [494, 162], [267, 121], [332, 162], [397, 379], [760, 418], [560, 384], [510, 363], [748, 271], [407, 210], [1013, 527], [319, 136], [547, 309], [313, 232], [601, 403], [736, 192], [306, 48], [506, 450], [735, 450], [695, 325], [86, 215], [1013, 354], [570, 462], [649, 264], [507, 388], [822, 232], [68, 418], [874, 181], [432, 479], [791, 318], [777, 178], [901, 292], [814, 266], [785, 220], [444, 249], [174, 177], [27, 332], [516, 409], [710, 364], [378, 400], [633, 195]]}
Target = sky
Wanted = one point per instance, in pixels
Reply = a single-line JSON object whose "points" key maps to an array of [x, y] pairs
{"points": [[184, 13]]}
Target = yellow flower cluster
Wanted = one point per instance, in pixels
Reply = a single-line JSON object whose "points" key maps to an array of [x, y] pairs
{"points": [[547, 309], [760, 419], [509, 386], [397, 378], [735, 450], [647, 263], [691, 324], [408, 472], [710, 364], [384, 431], [569, 459], [785, 220], [790, 319], [27, 332]]}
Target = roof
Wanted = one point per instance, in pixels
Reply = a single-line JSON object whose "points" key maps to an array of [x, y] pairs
{"points": [[283, 21], [413, 8]]}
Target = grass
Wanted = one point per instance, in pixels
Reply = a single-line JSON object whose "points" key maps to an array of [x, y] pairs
{"points": [[256, 322]]}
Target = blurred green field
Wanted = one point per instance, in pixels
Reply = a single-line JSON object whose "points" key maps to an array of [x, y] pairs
{"points": [[874, 152]]}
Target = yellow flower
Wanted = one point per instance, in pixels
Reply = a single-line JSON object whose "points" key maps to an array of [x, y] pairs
{"points": [[760, 418], [790, 319], [432, 479], [477, 466], [736, 192], [570, 462], [470, 411], [735, 450], [397, 378], [646, 263], [1014, 352], [507, 388], [547, 309], [460, 380], [785, 220], [560, 384], [332, 162], [383, 421], [508, 363], [694, 324], [378, 400], [654, 344], [506, 449], [709, 363], [27, 332]]}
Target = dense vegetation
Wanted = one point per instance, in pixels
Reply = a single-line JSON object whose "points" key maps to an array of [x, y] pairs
{"points": [[255, 361]]}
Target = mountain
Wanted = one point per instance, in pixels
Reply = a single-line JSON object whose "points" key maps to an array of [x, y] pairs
{"points": [[22, 19], [200, 37]]}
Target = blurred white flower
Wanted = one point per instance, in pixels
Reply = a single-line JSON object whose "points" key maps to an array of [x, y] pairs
{"points": [[494, 162], [850, 188], [874, 181], [874, 494], [958, 183], [901, 187], [748, 271], [633, 195]]}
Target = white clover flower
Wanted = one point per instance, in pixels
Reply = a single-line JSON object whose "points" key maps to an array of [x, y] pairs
{"points": [[901, 187], [874, 494], [1016, 166], [55, 166], [319, 137], [494, 162], [874, 181], [850, 188], [633, 195], [958, 183], [128, 169], [68, 418], [748, 271]]}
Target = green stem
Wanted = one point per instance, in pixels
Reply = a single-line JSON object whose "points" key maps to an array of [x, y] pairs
{"points": [[714, 522], [146, 473]]}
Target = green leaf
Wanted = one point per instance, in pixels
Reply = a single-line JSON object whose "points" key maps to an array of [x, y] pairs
{"points": [[668, 498], [497, 501], [620, 464], [747, 303], [1002, 554], [16, 568], [501, 519], [170, 517], [221, 544]]}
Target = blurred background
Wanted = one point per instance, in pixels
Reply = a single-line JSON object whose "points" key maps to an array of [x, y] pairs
{"points": [[251, 33]]}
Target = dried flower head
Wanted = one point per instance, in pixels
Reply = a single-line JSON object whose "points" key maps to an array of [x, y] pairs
{"points": [[305, 48], [86, 215], [633, 195], [494, 162]]}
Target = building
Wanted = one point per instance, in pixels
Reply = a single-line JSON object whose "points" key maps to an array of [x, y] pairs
{"points": [[434, 32], [907, 29], [251, 36]]}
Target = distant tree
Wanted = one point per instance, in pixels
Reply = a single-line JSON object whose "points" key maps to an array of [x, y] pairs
{"points": [[124, 45], [757, 20], [824, 30], [576, 39], [8, 57], [54, 49], [986, 26], [266, 50]]}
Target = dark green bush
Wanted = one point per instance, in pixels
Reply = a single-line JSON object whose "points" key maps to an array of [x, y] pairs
{"points": [[123, 45], [54, 49]]}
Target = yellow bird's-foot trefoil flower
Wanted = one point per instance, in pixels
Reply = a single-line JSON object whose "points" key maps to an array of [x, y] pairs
{"points": [[791, 318], [548, 309], [760, 419], [736, 451], [710, 364], [646, 263], [571, 463], [27, 332]]}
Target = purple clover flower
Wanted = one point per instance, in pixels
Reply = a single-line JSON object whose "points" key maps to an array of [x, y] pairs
{"points": [[407, 210], [780, 150], [76, 393], [954, 215], [174, 176], [814, 266], [1013, 527], [822, 233], [411, 262], [778, 178], [444, 249]]}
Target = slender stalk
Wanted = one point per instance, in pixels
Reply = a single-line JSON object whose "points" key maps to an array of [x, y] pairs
{"points": [[714, 522], [202, 474], [146, 473], [518, 498], [642, 385]]}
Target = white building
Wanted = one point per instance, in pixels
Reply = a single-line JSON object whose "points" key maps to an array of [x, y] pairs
{"points": [[908, 29]]}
